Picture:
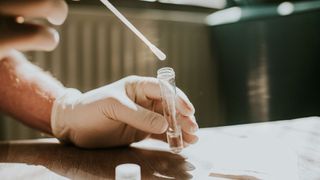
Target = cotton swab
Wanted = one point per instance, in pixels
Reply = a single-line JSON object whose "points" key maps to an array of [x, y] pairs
{"points": [[156, 51]]}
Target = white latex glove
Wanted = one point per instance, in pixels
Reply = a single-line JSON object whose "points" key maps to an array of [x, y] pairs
{"points": [[117, 114]]}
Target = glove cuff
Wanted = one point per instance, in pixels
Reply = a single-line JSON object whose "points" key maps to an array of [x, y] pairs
{"points": [[61, 113]]}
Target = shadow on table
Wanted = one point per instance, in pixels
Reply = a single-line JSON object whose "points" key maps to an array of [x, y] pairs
{"points": [[75, 163]]}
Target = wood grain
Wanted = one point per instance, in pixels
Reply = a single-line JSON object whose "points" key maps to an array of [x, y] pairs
{"points": [[196, 162]]}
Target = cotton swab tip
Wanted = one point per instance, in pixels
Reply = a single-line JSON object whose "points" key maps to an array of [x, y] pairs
{"points": [[161, 56]]}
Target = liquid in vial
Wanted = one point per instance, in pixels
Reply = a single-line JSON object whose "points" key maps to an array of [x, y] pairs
{"points": [[175, 141]]}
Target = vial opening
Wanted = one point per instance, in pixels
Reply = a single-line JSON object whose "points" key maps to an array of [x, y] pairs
{"points": [[165, 73]]}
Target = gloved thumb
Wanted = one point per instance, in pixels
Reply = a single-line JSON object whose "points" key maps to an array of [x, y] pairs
{"points": [[143, 119]]}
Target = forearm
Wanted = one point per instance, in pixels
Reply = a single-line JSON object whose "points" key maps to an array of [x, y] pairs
{"points": [[27, 93]]}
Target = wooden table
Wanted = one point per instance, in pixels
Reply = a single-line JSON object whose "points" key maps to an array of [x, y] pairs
{"points": [[273, 150]]}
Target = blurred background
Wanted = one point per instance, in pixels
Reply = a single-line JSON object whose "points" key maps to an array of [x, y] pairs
{"points": [[239, 61]]}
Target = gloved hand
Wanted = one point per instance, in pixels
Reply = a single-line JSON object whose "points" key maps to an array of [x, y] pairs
{"points": [[123, 112]]}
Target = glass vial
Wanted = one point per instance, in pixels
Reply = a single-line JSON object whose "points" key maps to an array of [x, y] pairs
{"points": [[166, 78]]}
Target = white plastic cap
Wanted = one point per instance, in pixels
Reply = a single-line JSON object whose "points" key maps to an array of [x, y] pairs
{"points": [[128, 172]]}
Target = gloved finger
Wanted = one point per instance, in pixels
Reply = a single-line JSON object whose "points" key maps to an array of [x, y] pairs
{"points": [[26, 37], [140, 118], [184, 105], [55, 11], [188, 123], [150, 87], [189, 138], [161, 137], [157, 107]]}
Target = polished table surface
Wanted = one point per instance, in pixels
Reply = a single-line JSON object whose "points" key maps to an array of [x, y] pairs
{"points": [[273, 150]]}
